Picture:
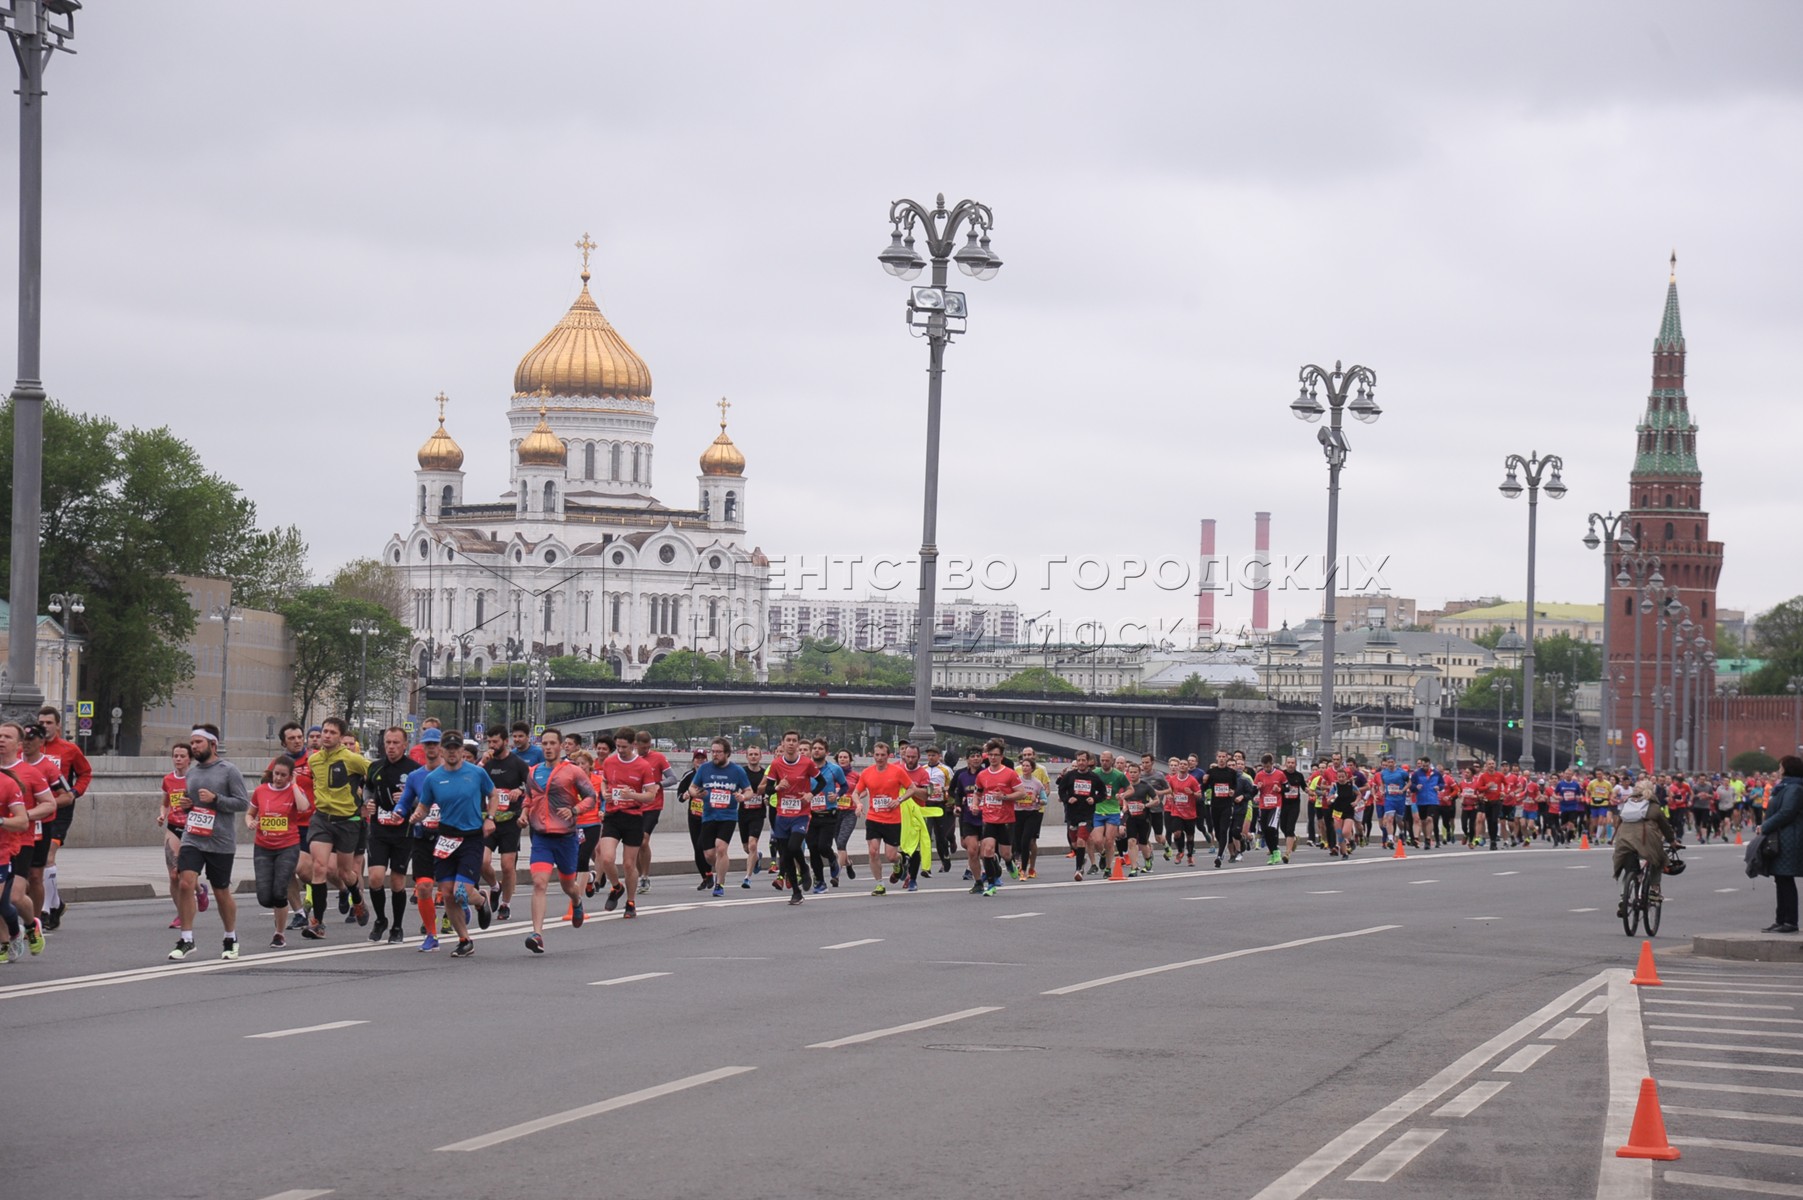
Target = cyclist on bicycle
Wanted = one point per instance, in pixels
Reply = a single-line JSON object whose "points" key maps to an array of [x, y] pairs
{"points": [[1644, 833]]}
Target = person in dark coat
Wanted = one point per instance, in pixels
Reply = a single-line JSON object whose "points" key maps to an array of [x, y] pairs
{"points": [[1784, 823]]}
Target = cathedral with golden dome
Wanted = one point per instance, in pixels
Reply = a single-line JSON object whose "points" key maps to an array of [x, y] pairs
{"points": [[579, 557]]}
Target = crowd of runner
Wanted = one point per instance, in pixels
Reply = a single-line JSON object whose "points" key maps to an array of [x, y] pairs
{"points": [[437, 825]]}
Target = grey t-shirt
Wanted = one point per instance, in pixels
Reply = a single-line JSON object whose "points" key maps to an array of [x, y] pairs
{"points": [[229, 799]]}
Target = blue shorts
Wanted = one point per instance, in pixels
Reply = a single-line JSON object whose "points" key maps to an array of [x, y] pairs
{"points": [[556, 852], [782, 827], [1395, 806], [1102, 819]]}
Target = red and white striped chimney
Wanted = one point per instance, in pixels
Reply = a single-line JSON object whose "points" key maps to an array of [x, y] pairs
{"points": [[1261, 573], [1205, 597]]}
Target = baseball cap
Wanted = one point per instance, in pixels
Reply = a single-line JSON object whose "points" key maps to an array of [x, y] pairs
{"points": [[431, 735], [451, 740]]}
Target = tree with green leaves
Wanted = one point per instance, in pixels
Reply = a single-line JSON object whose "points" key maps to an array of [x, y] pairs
{"points": [[821, 663], [1490, 637], [689, 666], [1777, 638], [1194, 687], [572, 668], [1750, 762], [329, 660], [125, 512], [1037, 681]]}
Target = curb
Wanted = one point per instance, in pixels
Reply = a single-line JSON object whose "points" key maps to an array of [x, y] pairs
{"points": [[1748, 947]]}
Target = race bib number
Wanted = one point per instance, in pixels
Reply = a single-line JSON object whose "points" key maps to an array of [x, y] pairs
{"points": [[504, 800], [273, 823], [444, 847], [789, 806], [1394, 789], [1222, 791], [1080, 788], [1135, 807], [936, 792], [817, 803], [432, 818], [1292, 793], [200, 822], [617, 795], [389, 816], [994, 805], [882, 803], [719, 797]]}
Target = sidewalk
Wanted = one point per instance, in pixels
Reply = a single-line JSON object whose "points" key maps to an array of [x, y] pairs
{"points": [[138, 873]]}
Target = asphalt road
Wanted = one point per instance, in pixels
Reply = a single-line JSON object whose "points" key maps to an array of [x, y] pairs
{"points": [[1325, 1030]]}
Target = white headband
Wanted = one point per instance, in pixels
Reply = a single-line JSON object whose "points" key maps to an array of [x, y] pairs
{"points": [[205, 733]]}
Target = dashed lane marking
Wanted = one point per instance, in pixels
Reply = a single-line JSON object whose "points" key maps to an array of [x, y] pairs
{"points": [[852, 944], [629, 978], [910, 1027], [594, 1110], [1214, 958], [1017, 916], [1565, 1028], [1746, 1147], [1385, 1164], [1523, 1058], [1728, 1183], [1660, 1000], [1467, 1101], [1728, 1114], [282, 1033]]}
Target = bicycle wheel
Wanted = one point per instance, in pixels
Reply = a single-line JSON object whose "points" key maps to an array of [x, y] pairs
{"points": [[1649, 907], [1630, 906]]}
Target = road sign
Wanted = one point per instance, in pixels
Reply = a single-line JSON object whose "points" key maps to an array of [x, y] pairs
{"points": [[537, 730], [407, 725], [477, 729], [87, 724], [84, 708]]}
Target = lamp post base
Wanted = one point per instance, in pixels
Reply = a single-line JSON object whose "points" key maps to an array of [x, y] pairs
{"points": [[922, 736], [21, 703]]}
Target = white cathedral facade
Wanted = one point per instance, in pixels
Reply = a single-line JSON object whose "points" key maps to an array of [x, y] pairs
{"points": [[579, 557]]}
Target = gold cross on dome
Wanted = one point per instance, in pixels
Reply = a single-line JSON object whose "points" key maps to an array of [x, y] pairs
{"points": [[724, 405], [544, 399], [441, 404], [585, 245]]}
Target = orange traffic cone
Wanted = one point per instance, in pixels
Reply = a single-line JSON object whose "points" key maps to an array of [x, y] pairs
{"points": [[1737, 840], [1400, 852], [1647, 1137], [1645, 975], [1583, 841], [1119, 873]]}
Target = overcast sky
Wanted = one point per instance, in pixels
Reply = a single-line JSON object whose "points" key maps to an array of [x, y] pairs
{"points": [[281, 229]]}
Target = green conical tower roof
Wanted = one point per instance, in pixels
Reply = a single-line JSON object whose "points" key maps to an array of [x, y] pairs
{"points": [[1667, 438], [1671, 328]]}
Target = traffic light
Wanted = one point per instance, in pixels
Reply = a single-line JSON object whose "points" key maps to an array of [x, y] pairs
{"points": [[1511, 722]]}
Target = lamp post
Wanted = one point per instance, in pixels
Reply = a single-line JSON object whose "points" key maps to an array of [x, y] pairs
{"points": [[227, 615], [934, 310], [1504, 688], [1794, 687], [463, 641], [1614, 538], [1728, 695], [1674, 720], [74, 604], [1663, 601], [361, 630], [1535, 468], [36, 35], [1643, 574], [1338, 383]]}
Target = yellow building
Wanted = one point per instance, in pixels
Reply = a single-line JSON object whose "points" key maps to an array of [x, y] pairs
{"points": [[1583, 622]]}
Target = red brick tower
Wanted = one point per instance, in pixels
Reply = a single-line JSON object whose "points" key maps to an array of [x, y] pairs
{"points": [[1665, 512]]}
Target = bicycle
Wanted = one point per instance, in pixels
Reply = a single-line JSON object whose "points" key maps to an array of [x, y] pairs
{"points": [[1639, 906]]}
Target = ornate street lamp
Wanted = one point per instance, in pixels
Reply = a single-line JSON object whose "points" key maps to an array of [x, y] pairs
{"points": [[1535, 468]]}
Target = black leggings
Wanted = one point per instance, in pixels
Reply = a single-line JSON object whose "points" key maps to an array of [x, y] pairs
{"points": [[823, 851], [789, 852], [945, 834], [1787, 899], [585, 852], [1220, 821], [702, 866], [1026, 837], [1181, 831], [9, 912]]}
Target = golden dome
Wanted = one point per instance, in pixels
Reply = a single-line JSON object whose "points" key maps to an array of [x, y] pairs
{"points": [[722, 457], [441, 452], [542, 448], [583, 355]]}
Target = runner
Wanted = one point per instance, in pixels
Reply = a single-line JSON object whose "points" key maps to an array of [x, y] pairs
{"points": [[460, 792], [15, 826], [390, 844], [881, 787], [720, 785], [1077, 791], [558, 793], [508, 772], [1294, 785], [790, 784], [40, 799], [1029, 815], [33, 756], [1135, 800], [294, 748], [1395, 782], [631, 785], [76, 772], [999, 787], [276, 847], [1180, 810], [589, 823], [215, 792], [1424, 787], [1270, 783], [916, 820], [1600, 796], [172, 819], [1106, 837], [823, 816], [1220, 783], [848, 810], [751, 812], [337, 824], [523, 748], [1490, 783], [422, 819], [654, 810]]}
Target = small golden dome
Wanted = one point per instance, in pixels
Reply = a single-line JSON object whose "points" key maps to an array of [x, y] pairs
{"points": [[542, 448], [441, 452], [583, 355], [722, 457]]}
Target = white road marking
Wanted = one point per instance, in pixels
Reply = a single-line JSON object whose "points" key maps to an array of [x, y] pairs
{"points": [[849, 945], [1595, 1005], [1762, 1033], [1398, 1154], [1716, 1066], [1724, 1004], [1738, 1089], [629, 978], [1467, 1101], [1696, 1016], [1726, 1183], [1720, 891], [1332, 893], [1502, 873], [1748, 1147], [1303, 1177], [969, 962], [1728, 1114], [1623, 1178], [1716, 976], [910, 1027], [594, 1110], [1419, 882], [1764, 983], [1727, 989], [1483, 918], [726, 958], [1213, 958], [282, 1033], [1200, 897], [1524, 1058], [301, 1194], [1017, 916], [1566, 1028], [1579, 867], [1583, 910], [1732, 1049]]}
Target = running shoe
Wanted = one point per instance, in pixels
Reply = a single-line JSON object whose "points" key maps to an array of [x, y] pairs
{"points": [[631, 911], [298, 920], [428, 945], [19, 948], [1233, 858], [967, 874], [819, 889], [202, 898], [1078, 877], [395, 935], [279, 942], [361, 911], [835, 879], [175, 922], [344, 903], [1217, 860], [745, 882], [1013, 871], [6, 952], [588, 889], [989, 891], [375, 935], [895, 876], [719, 892], [577, 917], [912, 886], [1032, 872], [464, 949], [504, 912], [484, 915], [644, 883], [794, 898], [231, 949], [535, 943], [879, 890], [314, 932], [776, 883], [613, 897], [851, 872], [444, 922], [976, 889], [181, 951]]}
